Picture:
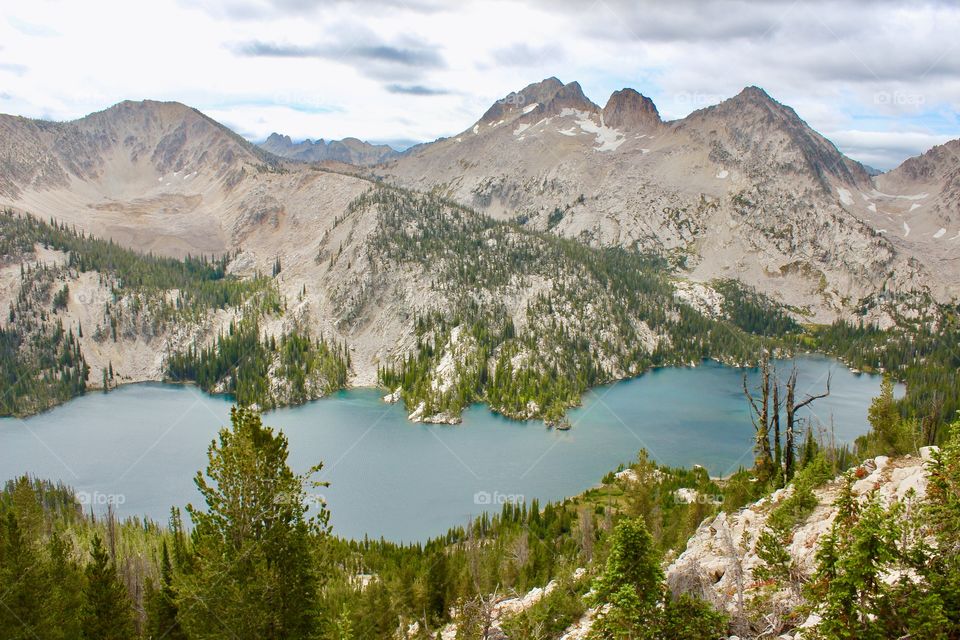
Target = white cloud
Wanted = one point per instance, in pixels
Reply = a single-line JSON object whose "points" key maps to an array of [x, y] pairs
{"points": [[418, 69]]}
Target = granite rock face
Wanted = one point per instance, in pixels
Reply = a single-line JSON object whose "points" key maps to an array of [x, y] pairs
{"points": [[720, 559]]}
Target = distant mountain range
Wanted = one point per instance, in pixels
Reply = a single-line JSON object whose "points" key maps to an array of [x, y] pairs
{"points": [[348, 150]]}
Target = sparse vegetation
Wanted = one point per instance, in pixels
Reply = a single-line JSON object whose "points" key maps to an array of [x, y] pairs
{"points": [[598, 314], [243, 362]]}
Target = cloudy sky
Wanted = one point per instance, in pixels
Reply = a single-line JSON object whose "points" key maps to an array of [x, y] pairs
{"points": [[880, 78]]}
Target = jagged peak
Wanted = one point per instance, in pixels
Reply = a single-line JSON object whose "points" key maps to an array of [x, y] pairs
{"points": [[753, 92], [349, 150], [279, 138], [571, 96], [551, 94], [551, 84], [629, 109], [751, 97]]}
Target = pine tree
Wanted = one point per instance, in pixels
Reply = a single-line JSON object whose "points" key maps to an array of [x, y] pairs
{"points": [[632, 582], [22, 584], [65, 597], [253, 572], [161, 604], [890, 434], [942, 515], [107, 613]]}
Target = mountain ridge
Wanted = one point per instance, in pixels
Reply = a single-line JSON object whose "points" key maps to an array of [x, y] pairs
{"points": [[347, 150], [743, 189]]}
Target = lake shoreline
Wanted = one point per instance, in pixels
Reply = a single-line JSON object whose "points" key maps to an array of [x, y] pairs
{"points": [[387, 392], [403, 480]]}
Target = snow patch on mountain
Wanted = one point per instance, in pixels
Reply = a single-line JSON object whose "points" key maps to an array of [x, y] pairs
{"points": [[607, 138], [918, 196]]}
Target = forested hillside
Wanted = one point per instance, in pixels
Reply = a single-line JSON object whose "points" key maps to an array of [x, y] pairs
{"points": [[244, 363], [921, 350], [142, 298], [589, 316]]}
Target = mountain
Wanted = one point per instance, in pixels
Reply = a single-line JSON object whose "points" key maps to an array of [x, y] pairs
{"points": [[930, 183], [348, 150], [916, 207], [743, 189], [165, 179], [628, 109], [151, 175], [423, 288]]}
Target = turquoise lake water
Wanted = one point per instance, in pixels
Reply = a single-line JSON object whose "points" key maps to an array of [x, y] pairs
{"points": [[141, 445]]}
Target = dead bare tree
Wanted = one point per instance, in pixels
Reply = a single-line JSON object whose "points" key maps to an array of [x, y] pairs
{"points": [[475, 619], [777, 449], [792, 407], [586, 532], [760, 415]]}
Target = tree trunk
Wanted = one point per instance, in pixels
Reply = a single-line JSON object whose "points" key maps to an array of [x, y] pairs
{"points": [[763, 460], [789, 450], [777, 450], [792, 407]]}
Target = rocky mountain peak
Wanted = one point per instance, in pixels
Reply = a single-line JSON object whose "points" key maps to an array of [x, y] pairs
{"points": [[145, 113], [756, 94], [550, 94], [277, 139], [756, 128], [755, 103], [541, 91], [628, 109], [570, 96]]}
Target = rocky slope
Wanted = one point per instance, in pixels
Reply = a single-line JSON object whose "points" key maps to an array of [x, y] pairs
{"points": [[348, 150], [721, 559], [743, 189], [917, 207]]}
